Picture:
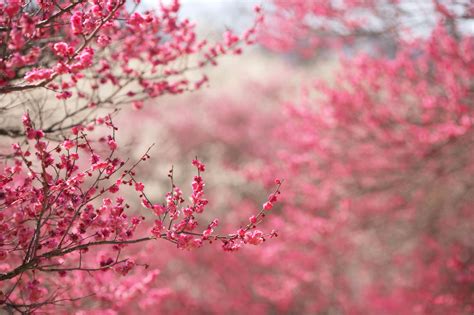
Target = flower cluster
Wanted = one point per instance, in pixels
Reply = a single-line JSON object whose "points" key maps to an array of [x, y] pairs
{"points": [[134, 55], [60, 203]]}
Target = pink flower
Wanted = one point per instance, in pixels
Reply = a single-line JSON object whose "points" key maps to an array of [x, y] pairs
{"points": [[103, 40], [158, 227], [68, 144], [159, 209], [253, 219], [62, 49], [125, 267], [207, 233], [12, 7], [76, 22], [136, 19], [267, 205], [199, 165], [139, 186], [254, 238], [114, 188], [112, 144], [38, 74], [26, 120]]}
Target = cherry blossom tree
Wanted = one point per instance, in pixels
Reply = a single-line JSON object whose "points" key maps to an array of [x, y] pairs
{"points": [[66, 217]]}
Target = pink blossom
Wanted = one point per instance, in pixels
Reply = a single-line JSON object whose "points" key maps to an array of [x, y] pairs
{"points": [[112, 144], [268, 205], [76, 22], [139, 186], [38, 74]]}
